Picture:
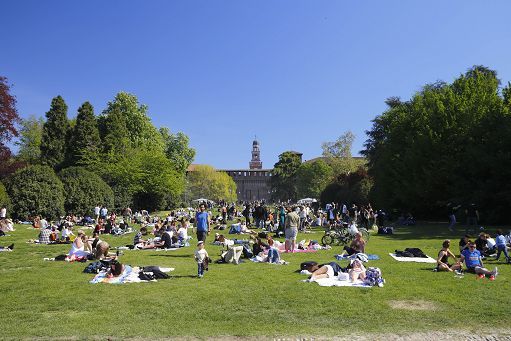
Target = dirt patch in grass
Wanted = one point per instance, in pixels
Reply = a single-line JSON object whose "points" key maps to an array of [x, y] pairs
{"points": [[413, 305]]}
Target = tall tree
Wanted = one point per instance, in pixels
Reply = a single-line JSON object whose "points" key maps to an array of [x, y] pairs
{"points": [[283, 181], [125, 113], [29, 143], [55, 134], [205, 181], [84, 147], [338, 155], [177, 149], [8, 119], [312, 177]]}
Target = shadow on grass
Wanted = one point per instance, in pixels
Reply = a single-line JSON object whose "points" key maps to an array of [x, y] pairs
{"points": [[183, 276], [428, 231]]}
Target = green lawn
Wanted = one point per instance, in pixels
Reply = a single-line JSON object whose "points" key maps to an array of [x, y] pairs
{"points": [[54, 299]]}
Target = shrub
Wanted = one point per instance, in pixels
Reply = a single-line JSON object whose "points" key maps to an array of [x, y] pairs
{"points": [[36, 190], [5, 201], [83, 190]]}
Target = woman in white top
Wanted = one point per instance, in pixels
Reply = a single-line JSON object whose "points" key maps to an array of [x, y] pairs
{"points": [[80, 247]]}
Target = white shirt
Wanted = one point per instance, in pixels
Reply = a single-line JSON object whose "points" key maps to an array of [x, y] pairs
{"points": [[3, 212], [200, 255], [490, 243], [96, 210], [182, 232]]}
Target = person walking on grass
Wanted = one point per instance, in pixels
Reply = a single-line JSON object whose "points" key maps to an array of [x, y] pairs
{"points": [[501, 245], [201, 256], [203, 222], [474, 263]]}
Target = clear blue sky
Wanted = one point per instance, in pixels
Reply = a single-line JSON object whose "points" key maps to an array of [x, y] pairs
{"points": [[294, 73]]}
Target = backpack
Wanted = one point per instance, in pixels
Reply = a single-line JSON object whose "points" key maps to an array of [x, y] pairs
{"points": [[373, 277], [247, 253], [404, 254], [262, 235], [310, 266], [416, 252], [93, 268]]}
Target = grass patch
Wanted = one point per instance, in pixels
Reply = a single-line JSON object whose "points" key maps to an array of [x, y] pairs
{"points": [[42, 299]]}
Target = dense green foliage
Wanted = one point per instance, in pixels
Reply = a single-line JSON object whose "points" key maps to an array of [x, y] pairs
{"points": [[29, 144], [36, 190], [177, 149], [84, 190], [5, 201], [55, 134], [206, 182], [85, 144], [312, 177], [225, 303], [349, 188], [283, 180], [448, 143]]}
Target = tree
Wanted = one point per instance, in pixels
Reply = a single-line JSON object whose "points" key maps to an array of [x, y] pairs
{"points": [[312, 177], [85, 144], [436, 148], [144, 178], [177, 149], [283, 181], [125, 116], [5, 201], [8, 119], [354, 187], [38, 191], [338, 155], [29, 144], [205, 181], [55, 134], [84, 190]]}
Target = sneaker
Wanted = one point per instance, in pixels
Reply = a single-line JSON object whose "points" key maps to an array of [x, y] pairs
{"points": [[458, 272], [480, 276], [492, 278], [11, 247]]}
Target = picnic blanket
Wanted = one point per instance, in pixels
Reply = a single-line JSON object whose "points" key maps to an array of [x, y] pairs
{"points": [[335, 282], [345, 256], [413, 259], [129, 275], [259, 259]]}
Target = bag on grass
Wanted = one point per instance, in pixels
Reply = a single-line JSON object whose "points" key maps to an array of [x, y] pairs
{"points": [[373, 277], [247, 253], [416, 252], [310, 266]]}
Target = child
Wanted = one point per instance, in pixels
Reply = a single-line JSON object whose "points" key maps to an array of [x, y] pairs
{"points": [[501, 245], [201, 256]]}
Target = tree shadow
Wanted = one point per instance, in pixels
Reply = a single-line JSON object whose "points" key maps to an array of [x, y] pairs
{"points": [[176, 256]]}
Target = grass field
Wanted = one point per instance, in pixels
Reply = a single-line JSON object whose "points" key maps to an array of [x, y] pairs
{"points": [[55, 300]]}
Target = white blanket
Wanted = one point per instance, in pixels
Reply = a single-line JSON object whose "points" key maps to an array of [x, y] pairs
{"points": [[334, 282], [413, 259]]}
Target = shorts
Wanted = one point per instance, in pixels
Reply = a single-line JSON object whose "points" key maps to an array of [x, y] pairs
{"points": [[330, 271], [291, 233], [472, 270], [201, 236]]}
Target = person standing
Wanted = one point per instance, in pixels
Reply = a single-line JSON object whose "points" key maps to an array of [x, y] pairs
{"points": [[291, 231], [472, 217], [97, 210], [201, 256], [203, 222], [501, 245], [3, 213], [451, 212]]}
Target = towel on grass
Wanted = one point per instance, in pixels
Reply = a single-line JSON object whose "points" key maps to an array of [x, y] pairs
{"points": [[335, 282], [413, 259]]}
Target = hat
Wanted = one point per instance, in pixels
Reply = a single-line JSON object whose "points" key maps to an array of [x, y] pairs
{"points": [[200, 242]]}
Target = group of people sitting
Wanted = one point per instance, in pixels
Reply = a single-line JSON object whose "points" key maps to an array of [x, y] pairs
{"points": [[166, 235], [469, 255]]}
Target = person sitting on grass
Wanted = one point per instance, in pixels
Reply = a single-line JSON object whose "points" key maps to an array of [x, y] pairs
{"points": [[358, 245], [463, 244], [442, 262], [273, 252], [357, 271], [474, 263], [78, 247]]}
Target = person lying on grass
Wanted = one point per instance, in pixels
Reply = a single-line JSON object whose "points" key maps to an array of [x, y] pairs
{"points": [[474, 263], [442, 261], [357, 271], [329, 270]]}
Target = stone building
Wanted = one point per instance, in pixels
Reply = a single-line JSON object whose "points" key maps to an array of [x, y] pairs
{"points": [[253, 183]]}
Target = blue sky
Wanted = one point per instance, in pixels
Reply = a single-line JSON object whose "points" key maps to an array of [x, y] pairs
{"points": [[294, 73]]}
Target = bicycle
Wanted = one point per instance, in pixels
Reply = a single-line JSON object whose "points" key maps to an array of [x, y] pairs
{"points": [[343, 234]]}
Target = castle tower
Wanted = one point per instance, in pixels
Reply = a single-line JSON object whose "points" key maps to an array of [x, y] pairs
{"points": [[256, 163]]}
